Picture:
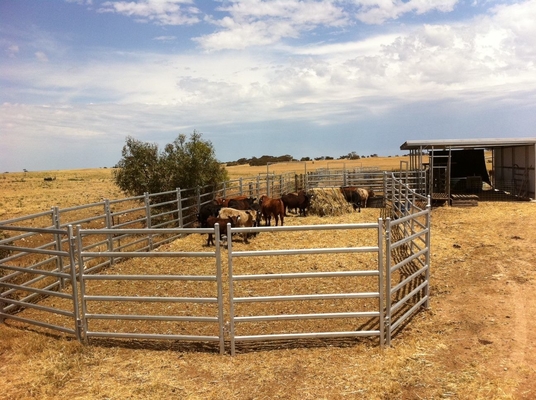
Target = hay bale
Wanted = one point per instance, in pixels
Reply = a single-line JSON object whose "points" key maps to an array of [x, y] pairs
{"points": [[328, 202]]}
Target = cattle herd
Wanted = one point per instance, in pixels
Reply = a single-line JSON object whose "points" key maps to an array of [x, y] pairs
{"points": [[244, 211]]}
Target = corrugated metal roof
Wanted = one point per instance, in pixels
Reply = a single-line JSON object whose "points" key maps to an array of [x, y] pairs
{"points": [[467, 143]]}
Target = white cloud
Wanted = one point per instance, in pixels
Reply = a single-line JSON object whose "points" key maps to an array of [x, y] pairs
{"points": [[12, 50], [165, 38], [41, 56], [162, 12], [81, 2], [261, 23], [379, 11]]}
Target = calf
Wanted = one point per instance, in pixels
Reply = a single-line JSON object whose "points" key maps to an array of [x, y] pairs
{"points": [[244, 218], [211, 221], [272, 207]]}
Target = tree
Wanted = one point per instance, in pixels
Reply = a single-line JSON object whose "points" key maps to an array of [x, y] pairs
{"points": [[185, 163]]}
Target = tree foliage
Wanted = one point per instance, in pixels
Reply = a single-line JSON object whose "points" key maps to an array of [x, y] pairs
{"points": [[185, 163]]}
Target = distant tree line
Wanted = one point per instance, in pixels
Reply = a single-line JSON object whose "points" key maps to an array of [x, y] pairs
{"points": [[264, 160]]}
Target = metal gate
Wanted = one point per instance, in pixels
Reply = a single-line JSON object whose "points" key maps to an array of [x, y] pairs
{"points": [[130, 313]]}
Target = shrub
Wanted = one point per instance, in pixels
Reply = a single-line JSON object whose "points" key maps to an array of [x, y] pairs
{"points": [[185, 163]]}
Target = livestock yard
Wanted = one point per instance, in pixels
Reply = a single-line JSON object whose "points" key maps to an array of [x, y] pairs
{"points": [[476, 341]]}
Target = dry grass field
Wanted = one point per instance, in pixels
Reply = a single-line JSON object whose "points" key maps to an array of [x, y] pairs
{"points": [[477, 340]]}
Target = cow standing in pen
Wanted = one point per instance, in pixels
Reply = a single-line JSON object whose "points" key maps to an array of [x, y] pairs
{"points": [[244, 219], [272, 208], [300, 201]]}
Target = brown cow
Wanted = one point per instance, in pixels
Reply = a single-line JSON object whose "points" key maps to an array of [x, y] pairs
{"points": [[244, 218], [365, 194], [211, 221], [301, 201], [272, 207], [225, 202]]}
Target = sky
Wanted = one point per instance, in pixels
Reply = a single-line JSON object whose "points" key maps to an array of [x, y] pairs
{"points": [[308, 78]]}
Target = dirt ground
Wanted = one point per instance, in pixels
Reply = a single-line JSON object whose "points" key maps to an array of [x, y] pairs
{"points": [[483, 291], [477, 340]]}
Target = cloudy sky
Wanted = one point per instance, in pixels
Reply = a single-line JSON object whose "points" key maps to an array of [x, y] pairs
{"points": [[300, 77]]}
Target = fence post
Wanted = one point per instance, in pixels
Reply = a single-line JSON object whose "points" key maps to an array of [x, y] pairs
{"points": [[2, 310], [148, 219], [381, 284], [240, 186], [179, 208], [428, 242], [72, 261], [109, 225], [83, 306], [385, 194], [388, 281], [57, 239]]}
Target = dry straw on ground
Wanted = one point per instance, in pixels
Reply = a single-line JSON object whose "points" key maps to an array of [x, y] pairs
{"points": [[329, 202]]}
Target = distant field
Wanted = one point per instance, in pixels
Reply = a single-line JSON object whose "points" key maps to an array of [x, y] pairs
{"points": [[25, 193], [383, 163]]}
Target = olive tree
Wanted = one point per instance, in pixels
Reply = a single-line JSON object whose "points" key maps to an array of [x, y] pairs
{"points": [[185, 163]]}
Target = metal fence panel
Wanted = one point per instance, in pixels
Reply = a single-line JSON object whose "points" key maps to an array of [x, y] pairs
{"points": [[290, 278], [165, 311], [31, 274]]}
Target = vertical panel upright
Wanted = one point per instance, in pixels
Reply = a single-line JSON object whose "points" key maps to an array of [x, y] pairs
{"points": [[58, 240], [388, 281], [381, 288]]}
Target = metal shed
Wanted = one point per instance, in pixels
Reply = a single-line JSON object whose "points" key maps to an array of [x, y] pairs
{"points": [[513, 163]]}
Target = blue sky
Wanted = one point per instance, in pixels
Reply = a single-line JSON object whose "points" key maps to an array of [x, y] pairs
{"points": [[306, 78]]}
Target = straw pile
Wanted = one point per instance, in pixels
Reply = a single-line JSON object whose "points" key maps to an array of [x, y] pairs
{"points": [[328, 202]]}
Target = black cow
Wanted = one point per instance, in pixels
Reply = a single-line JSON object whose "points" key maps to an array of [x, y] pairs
{"points": [[241, 204], [352, 196], [206, 211]]}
